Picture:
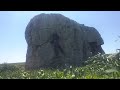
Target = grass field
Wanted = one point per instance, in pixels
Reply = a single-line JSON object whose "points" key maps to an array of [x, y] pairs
{"points": [[97, 67]]}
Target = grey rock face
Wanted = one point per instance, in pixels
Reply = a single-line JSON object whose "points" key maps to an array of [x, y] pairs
{"points": [[94, 40], [55, 40]]}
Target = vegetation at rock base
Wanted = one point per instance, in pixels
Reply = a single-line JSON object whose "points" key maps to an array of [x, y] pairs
{"points": [[97, 67]]}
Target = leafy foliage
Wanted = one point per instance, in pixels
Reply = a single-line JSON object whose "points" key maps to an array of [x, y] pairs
{"points": [[97, 67], [7, 67]]}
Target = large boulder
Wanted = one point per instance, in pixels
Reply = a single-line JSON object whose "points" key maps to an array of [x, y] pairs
{"points": [[55, 41], [41, 52]]}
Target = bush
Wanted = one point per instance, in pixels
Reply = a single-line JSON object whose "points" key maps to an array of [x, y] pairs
{"points": [[8, 67], [104, 62], [97, 67]]}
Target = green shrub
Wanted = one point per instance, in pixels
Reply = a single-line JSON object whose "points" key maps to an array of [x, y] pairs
{"points": [[8, 67], [97, 67]]}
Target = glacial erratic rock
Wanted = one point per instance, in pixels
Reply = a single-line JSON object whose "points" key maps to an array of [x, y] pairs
{"points": [[55, 41]]}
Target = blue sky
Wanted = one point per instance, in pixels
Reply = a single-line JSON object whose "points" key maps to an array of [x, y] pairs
{"points": [[13, 46]]}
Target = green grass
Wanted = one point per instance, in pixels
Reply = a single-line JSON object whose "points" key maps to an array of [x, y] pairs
{"points": [[97, 67]]}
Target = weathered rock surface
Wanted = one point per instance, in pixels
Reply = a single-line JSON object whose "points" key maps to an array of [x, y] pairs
{"points": [[71, 46], [94, 40]]}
